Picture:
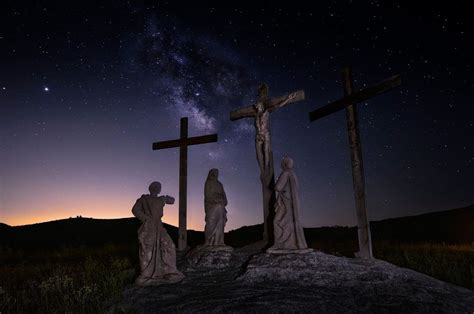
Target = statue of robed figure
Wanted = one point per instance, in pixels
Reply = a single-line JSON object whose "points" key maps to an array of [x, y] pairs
{"points": [[157, 251], [288, 232], [215, 201]]}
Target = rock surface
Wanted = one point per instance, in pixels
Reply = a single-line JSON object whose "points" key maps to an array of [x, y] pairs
{"points": [[209, 257], [314, 282]]}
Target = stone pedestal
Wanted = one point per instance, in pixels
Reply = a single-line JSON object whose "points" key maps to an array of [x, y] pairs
{"points": [[209, 257]]}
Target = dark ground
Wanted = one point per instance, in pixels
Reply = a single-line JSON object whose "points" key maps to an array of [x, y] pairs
{"points": [[314, 282], [337, 284]]}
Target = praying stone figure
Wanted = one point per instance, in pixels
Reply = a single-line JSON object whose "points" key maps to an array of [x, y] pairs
{"points": [[215, 202], [288, 233], [157, 251]]}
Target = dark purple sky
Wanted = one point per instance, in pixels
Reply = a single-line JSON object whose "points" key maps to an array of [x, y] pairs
{"points": [[86, 88]]}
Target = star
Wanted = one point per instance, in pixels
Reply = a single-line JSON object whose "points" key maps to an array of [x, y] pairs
{"points": [[46, 89]]}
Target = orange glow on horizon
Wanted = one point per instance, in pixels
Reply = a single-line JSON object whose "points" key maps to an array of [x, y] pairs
{"points": [[63, 211], [28, 220]]}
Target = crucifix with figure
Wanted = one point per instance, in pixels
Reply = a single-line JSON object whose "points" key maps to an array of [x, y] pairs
{"points": [[349, 102], [183, 142], [260, 111]]}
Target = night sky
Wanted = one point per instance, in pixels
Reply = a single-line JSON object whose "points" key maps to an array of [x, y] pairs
{"points": [[85, 89]]}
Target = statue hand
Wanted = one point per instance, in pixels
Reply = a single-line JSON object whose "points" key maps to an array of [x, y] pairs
{"points": [[291, 96], [169, 199]]}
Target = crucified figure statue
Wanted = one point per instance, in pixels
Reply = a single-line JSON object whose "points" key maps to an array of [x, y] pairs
{"points": [[262, 126], [260, 111]]}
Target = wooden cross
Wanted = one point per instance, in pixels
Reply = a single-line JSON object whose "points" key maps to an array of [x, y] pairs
{"points": [[260, 112], [183, 142], [349, 102]]}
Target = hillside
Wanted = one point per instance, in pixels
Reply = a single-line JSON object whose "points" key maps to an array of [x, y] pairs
{"points": [[451, 226], [80, 231]]}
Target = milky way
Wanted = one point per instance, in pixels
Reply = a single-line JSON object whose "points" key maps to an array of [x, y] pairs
{"points": [[86, 89]]}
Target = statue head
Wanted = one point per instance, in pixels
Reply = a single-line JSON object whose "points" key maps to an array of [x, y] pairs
{"points": [[213, 174], [262, 93], [154, 188], [287, 163]]}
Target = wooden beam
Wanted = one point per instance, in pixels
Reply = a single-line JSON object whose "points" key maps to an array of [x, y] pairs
{"points": [[201, 139], [355, 98], [358, 180], [167, 144], [183, 187], [183, 142], [249, 111], [186, 142], [273, 103], [246, 112]]}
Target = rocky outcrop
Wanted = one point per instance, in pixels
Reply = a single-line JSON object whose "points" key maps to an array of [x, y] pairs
{"points": [[313, 282]]}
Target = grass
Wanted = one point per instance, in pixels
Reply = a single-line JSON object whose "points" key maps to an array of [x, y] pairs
{"points": [[67, 280], [90, 279], [453, 263]]}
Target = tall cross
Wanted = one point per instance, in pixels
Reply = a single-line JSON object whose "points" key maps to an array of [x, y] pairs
{"points": [[183, 142], [260, 112], [349, 102]]}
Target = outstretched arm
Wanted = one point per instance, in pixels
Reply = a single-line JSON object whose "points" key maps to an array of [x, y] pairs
{"points": [[286, 100], [169, 199]]}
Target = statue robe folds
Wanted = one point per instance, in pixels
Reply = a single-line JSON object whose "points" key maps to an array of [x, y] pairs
{"points": [[288, 232], [215, 201], [157, 252]]}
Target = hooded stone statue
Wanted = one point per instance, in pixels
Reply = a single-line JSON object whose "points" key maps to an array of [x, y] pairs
{"points": [[157, 251], [215, 202], [287, 229]]}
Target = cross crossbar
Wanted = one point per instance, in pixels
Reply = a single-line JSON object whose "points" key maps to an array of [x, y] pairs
{"points": [[249, 111], [186, 142], [355, 98]]}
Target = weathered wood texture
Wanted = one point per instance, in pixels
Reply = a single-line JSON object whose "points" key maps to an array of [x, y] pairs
{"points": [[186, 142], [183, 187], [349, 102], [264, 152], [358, 180], [249, 111], [183, 142], [356, 97]]}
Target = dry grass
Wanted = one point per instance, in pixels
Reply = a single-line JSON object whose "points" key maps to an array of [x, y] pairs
{"points": [[89, 279], [80, 280], [453, 263]]}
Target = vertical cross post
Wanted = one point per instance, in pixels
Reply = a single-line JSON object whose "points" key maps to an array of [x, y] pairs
{"points": [[264, 148], [183, 185], [183, 142], [363, 229], [349, 102]]}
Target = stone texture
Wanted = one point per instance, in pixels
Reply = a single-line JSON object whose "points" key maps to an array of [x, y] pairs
{"points": [[288, 232], [209, 257], [215, 201], [260, 111], [157, 252], [341, 285]]}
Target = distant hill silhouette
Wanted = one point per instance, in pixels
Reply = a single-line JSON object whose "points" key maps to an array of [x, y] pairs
{"points": [[4, 226], [451, 226]]}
